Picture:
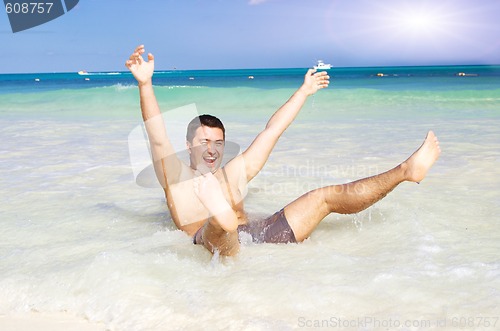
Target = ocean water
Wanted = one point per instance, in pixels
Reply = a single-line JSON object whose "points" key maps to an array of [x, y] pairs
{"points": [[80, 236]]}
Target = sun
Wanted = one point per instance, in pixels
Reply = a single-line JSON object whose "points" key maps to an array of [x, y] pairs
{"points": [[405, 20], [419, 21], [402, 28], [427, 22]]}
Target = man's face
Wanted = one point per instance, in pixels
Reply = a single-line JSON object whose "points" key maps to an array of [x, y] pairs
{"points": [[207, 148]]}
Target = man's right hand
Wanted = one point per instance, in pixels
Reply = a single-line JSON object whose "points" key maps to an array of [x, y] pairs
{"points": [[142, 70], [314, 81]]}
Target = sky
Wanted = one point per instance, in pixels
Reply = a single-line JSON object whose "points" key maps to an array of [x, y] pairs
{"points": [[99, 35]]}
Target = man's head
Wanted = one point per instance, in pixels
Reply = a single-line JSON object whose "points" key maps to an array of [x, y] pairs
{"points": [[205, 139], [205, 120]]}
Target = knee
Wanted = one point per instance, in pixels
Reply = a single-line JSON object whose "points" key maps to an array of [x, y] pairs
{"points": [[342, 200], [321, 200]]}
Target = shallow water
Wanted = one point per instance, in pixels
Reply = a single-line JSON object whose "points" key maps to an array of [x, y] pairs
{"points": [[78, 234]]}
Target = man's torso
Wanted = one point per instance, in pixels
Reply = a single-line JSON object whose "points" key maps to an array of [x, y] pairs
{"points": [[186, 209]]}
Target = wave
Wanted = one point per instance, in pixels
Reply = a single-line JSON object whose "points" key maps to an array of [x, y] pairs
{"points": [[113, 73], [171, 87], [124, 87], [121, 87]]}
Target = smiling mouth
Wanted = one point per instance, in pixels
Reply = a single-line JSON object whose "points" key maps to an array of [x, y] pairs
{"points": [[210, 160]]}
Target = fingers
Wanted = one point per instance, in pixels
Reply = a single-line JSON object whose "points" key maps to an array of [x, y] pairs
{"points": [[137, 52], [322, 79], [310, 72], [136, 57], [317, 79], [139, 48]]}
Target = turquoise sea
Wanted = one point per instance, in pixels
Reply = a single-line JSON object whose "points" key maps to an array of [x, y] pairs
{"points": [[80, 236]]}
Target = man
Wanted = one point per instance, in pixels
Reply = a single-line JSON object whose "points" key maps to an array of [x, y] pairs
{"points": [[206, 200]]}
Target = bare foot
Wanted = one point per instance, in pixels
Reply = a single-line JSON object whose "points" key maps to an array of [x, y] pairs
{"points": [[421, 161]]}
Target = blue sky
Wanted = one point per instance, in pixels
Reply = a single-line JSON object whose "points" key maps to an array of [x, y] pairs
{"points": [[98, 35]]}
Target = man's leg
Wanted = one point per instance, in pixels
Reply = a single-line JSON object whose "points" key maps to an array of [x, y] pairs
{"points": [[305, 213]]}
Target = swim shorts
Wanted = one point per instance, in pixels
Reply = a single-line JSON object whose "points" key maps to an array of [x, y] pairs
{"points": [[274, 229]]}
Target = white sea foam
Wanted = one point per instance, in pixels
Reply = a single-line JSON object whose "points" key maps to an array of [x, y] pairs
{"points": [[120, 87]]}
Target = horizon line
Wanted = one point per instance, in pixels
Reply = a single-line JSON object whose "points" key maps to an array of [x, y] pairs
{"points": [[268, 68]]}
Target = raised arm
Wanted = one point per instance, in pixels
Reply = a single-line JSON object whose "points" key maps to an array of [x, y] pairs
{"points": [[162, 151], [143, 73], [258, 152]]}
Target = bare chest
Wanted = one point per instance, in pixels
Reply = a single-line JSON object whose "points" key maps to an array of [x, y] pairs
{"points": [[186, 208]]}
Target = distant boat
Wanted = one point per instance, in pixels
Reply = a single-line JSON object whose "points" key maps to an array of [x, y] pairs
{"points": [[251, 77], [463, 74], [82, 72], [322, 66]]}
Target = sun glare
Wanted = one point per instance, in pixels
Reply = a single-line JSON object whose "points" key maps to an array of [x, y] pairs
{"points": [[411, 27], [424, 20], [419, 22]]}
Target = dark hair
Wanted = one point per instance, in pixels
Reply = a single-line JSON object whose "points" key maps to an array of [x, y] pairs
{"points": [[205, 120]]}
